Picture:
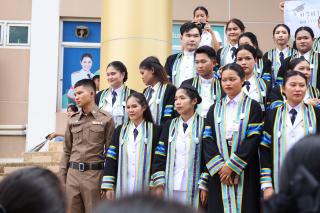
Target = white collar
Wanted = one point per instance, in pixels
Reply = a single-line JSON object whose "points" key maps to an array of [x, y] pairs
{"points": [[139, 127], [155, 87], [251, 80], [285, 50], [189, 122], [297, 108], [206, 81], [118, 90], [306, 55], [186, 53], [235, 99], [230, 46]]}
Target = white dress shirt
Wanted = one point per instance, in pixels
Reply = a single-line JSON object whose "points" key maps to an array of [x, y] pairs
{"points": [[231, 109], [79, 75], [253, 92], [229, 58], [206, 38], [133, 156], [181, 161], [186, 69], [295, 131], [117, 109], [206, 96], [306, 56], [153, 100]]}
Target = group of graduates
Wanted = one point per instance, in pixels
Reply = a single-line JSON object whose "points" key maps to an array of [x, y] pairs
{"points": [[212, 128]]}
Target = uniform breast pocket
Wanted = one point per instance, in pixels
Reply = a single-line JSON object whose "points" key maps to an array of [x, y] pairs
{"points": [[77, 134], [96, 134]]}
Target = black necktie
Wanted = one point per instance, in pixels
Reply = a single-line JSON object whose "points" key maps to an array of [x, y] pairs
{"points": [[302, 57], [281, 55], [247, 83], [135, 133], [89, 77], [233, 52], [185, 126], [293, 113], [150, 95], [114, 97]]}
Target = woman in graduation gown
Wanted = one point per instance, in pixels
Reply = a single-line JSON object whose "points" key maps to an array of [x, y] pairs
{"points": [[160, 92], [277, 96], [304, 38], [251, 39], [283, 127], [233, 30], [256, 88], [230, 147], [207, 82], [113, 99], [176, 166], [129, 157], [273, 58]]}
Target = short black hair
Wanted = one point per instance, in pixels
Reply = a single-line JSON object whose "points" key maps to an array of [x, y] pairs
{"points": [[304, 28], [96, 77], [35, 190], [119, 66], [237, 22], [294, 62], [86, 55], [234, 67], [281, 25], [86, 83], [249, 48], [200, 8], [209, 51], [73, 107], [186, 27], [254, 40], [292, 73]]}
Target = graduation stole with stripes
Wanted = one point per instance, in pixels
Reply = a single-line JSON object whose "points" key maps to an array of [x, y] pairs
{"points": [[215, 89], [232, 195], [157, 104], [121, 101], [223, 55], [316, 45], [258, 68], [192, 196], [262, 88], [176, 69], [279, 136], [144, 162], [314, 63], [276, 63]]}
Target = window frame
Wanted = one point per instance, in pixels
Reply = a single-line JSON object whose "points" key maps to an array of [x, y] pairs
{"points": [[17, 24], [2, 33]]}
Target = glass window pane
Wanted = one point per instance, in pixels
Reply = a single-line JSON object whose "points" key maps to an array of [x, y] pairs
{"points": [[18, 34]]}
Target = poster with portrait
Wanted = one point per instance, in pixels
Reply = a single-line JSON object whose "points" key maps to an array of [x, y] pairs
{"points": [[302, 13], [78, 63]]}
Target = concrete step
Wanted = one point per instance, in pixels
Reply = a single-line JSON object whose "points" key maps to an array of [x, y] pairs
{"points": [[55, 146], [7, 168], [40, 157]]}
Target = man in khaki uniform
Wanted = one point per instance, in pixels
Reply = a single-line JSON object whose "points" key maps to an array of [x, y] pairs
{"points": [[88, 134]]}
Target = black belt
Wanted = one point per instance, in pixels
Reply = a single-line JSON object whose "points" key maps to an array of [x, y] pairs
{"points": [[86, 166]]}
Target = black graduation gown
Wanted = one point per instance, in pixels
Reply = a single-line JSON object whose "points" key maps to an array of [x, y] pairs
{"points": [[111, 164], [168, 100], [266, 156], [248, 152], [285, 66], [169, 65], [190, 82]]}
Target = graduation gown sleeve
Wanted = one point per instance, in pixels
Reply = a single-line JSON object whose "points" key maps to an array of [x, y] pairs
{"points": [[98, 96], [275, 97], [111, 162], [267, 68], [282, 70], [160, 157], [168, 104], [169, 65]]}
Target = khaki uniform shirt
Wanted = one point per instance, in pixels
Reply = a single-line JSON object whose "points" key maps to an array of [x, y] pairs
{"points": [[86, 138]]}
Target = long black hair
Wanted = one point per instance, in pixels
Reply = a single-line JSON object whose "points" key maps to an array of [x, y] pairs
{"points": [[35, 190], [141, 99], [153, 64], [254, 41]]}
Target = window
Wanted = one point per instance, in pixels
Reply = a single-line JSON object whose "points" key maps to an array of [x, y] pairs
{"points": [[18, 34], [1, 33]]}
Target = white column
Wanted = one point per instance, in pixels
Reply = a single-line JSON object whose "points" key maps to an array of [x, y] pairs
{"points": [[44, 55]]}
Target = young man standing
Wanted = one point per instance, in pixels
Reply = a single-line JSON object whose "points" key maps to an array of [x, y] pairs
{"points": [[180, 66], [207, 82], [88, 133]]}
